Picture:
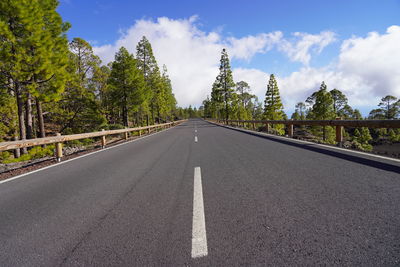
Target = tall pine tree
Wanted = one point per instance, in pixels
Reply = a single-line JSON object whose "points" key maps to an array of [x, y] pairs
{"points": [[323, 109], [127, 84], [33, 53], [223, 86], [273, 107], [147, 63]]}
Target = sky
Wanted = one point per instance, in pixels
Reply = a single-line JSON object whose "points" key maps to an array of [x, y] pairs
{"points": [[352, 45]]}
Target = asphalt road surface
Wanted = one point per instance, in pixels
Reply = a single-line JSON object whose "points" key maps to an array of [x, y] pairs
{"points": [[201, 194]]}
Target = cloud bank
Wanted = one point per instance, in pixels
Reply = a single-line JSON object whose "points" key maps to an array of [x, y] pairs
{"points": [[366, 68]]}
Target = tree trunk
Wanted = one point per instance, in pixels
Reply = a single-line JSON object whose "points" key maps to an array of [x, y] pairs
{"points": [[152, 112], [21, 117], [28, 118], [125, 116], [40, 118], [17, 152]]}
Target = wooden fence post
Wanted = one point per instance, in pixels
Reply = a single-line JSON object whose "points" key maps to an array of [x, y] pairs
{"points": [[339, 133], [17, 152], [103, 140], [140, 132], [126, 135], [59, 152], [254, 126], [267, 125], [290, 130]]}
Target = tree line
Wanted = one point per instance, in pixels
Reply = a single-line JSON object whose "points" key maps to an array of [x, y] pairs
{"points": [[51, 84], [230, 100]]}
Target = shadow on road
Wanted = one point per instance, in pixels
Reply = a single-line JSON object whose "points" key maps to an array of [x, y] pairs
{"points": [[326, 151]]}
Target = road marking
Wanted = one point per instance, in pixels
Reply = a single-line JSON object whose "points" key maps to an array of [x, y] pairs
{"points": [[199, 235], [85, 155], [195, 131], [195, 139]]}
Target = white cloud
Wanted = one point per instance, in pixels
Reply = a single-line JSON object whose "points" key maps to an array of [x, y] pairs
{"points": [[247, 47], [300, 49], [375, 59], [366, 68], [190, 54]]}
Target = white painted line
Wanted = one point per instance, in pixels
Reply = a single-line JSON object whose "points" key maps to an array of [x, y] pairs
{"points": [[195, 131], [195, 139], [315, 144], [199, 235], [88, 154]]}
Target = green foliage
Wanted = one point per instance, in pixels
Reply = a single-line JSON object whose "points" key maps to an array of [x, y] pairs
{"points": [[159, 100], [390, 106], [362, 138], [322, 109], [79, 109], [5, 156], [127, 86], [34, 46], [394, 135], [115, 126], [300, 111], [34, 153], [80, 142], [323, 105], [273, 107], [8, 116], [223, 88], [339, 102]]}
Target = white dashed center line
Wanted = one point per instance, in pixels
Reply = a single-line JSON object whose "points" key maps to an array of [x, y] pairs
{"points": [[199, 236]]}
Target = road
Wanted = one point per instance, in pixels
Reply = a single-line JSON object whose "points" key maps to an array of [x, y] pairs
{"points": [[204, 195]]}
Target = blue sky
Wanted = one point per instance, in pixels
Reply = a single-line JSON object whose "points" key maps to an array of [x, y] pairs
{"points": [[324, 26]]}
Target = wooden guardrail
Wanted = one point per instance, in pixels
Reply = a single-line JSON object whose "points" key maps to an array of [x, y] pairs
{"points": [[59, 139], [338, 123]]}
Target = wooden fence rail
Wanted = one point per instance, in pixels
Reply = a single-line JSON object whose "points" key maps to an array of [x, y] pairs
{"points": [[59, 139], [338, 123]]}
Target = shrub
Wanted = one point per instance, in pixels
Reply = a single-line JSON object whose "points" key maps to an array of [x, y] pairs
{"points": [[34, 153]]}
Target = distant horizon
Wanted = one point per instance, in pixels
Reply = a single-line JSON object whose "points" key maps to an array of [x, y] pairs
{"points": [[350, 46]]}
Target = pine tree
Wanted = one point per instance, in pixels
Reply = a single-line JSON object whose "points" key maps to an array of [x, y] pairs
{"points": [[390, 106], [244, 100], [79, 110], [362, 138], [273, 107], [147, 63], [339, 101], [322, 109], [33, 54], [127, 84], [223, 86], [216, 100], [170, 101], [300, 111], [56, 75], [323, 106]]}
